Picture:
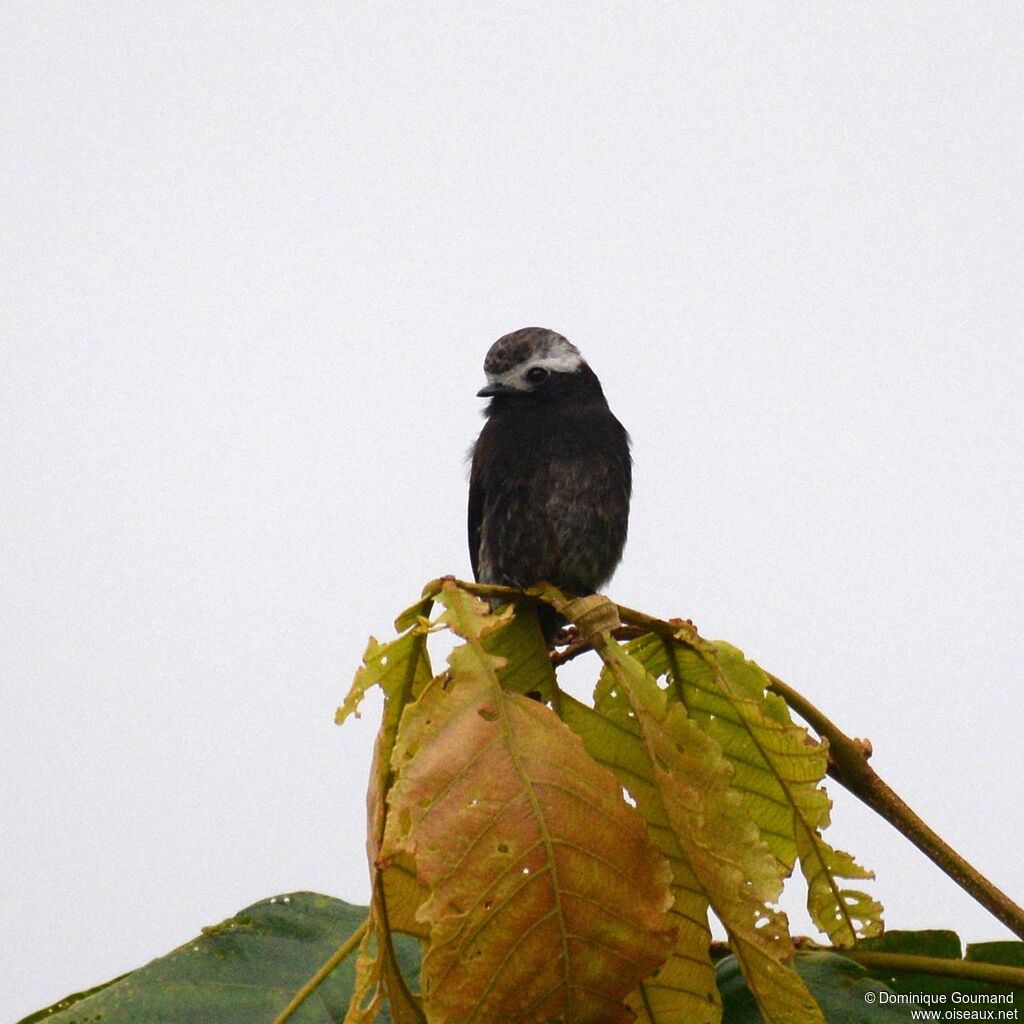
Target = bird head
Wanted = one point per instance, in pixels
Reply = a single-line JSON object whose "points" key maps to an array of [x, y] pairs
{"points": [[536, 362]]}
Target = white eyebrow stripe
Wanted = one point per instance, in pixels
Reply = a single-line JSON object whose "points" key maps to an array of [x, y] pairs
{"points": [[563, 362]]}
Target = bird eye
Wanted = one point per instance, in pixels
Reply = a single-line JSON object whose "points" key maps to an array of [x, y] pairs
{"points": [[536, 374]]}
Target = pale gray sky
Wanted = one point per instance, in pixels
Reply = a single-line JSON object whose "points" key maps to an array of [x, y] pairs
{"points": [[253, 256]]}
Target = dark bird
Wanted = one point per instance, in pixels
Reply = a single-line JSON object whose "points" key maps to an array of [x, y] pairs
{"points": [[551, 476]]}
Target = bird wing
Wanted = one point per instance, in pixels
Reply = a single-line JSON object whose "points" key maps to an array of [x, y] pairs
{"points": [[475, 518]]}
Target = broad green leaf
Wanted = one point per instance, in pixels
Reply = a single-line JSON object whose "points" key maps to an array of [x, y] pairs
{"points": [[716, 835], [547, 898], [929, 942], [244, 970], [844, 990], [1008, 952]]}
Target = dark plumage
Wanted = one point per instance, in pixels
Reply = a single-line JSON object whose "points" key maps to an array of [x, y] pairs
{"points": [[551, 477]]}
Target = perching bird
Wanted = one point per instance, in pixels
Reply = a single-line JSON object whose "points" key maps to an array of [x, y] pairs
{"points": [[551, 477]]}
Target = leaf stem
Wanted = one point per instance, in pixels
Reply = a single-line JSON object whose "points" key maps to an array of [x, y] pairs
{"points": [[848, 765], [972, 970], [310, 987]]}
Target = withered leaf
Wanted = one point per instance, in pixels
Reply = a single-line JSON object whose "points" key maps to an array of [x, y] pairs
{"points": [[548, 900]]}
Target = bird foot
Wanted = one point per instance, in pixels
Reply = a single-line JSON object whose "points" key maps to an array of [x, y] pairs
{"points": [[565, 637]]}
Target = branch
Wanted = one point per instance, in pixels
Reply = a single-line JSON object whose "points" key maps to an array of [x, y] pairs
{"points": [[848, 765], [848, 759], [971, 970], [950, 967]]}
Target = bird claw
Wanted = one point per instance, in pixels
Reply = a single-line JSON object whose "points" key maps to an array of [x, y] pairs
{"points": [[566, 636]]}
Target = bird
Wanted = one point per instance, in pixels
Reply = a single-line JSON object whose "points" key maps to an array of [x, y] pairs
{"points": [[551, 472]]}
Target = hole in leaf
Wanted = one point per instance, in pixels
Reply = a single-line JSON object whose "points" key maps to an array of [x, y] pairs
{"points": [[502, 847]]}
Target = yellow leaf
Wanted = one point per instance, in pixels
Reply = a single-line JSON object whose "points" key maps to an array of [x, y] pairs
{"points": [[778, 769], [683, 988], [366, 991], [720, 842]]}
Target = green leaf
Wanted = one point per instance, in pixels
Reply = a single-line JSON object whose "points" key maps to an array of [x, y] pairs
{"points": [[398, 667], [683, 988], [413, 614], [1010, 953], [930, 942], [778, 768], [243, 970], [944, 946], [520, 644], [717, 838], [845, 991]]}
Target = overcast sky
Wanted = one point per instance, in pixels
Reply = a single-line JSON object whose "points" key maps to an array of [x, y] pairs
{"points": [[253, 256]]}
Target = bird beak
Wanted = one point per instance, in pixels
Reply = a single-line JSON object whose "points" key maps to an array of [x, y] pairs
{"points": [[490, 390]]}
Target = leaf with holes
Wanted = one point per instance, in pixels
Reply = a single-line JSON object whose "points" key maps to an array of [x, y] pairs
{"points": [[401, 669], [717, 837], [683, 989], [547, 898], [778, 769]]}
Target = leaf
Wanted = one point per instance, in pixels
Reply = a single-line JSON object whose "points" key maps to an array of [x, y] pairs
{"points": [[929, 942], [394, 881], [841, 913], [716, 835], [683, 988], [520, 644], [413, 614], [945, 946], [398, 667], [778, 768], [242, 970], [547, 899], [402, 669], [845, 991], [397, 896], [367, 990], [592, 614]]}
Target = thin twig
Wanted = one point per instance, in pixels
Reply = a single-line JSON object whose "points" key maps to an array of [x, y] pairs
{"points": [[310, 987], [580, 646]]}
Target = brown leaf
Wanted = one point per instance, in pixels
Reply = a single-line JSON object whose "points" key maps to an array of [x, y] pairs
{"points": [[547, 898]]}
